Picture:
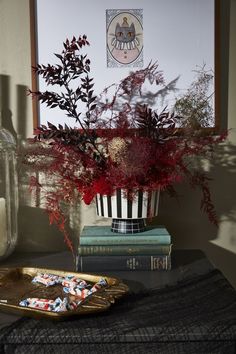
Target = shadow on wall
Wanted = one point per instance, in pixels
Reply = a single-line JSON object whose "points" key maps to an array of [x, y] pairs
{"points": [[6, 113], [216, 254], [222, 172], [21, 119], [190, 227]]}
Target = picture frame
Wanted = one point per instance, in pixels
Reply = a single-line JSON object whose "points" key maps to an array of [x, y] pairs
{"points": [[39, 22]]}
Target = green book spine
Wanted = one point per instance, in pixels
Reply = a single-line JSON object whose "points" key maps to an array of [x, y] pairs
{"points": [[121, 250], [122, 263], [104, 231], [136, 239]]}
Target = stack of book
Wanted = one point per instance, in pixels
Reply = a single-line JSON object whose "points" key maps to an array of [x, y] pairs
{"points": [[101, 249]]}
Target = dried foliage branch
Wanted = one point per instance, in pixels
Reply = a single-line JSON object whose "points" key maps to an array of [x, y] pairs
{"points": [[122, 142]]}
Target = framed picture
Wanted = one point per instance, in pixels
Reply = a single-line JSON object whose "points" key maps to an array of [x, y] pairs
{"points": [[124, 31], [181, 35]]}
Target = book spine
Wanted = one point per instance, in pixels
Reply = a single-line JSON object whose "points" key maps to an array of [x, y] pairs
{"points": [[122, 263], [122, 250], [125, 240]]}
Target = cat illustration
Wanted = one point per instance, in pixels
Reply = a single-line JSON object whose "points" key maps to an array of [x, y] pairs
{"points": [[125, 43]]}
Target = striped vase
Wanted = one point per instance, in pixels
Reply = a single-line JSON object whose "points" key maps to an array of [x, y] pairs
{"points": [[128, 216]]}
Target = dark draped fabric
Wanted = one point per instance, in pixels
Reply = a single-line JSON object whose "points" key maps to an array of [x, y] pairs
{"points": [[197, 315]]}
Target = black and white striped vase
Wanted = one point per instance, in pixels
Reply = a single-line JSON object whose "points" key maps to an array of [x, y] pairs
{"points": [[128, 216]]}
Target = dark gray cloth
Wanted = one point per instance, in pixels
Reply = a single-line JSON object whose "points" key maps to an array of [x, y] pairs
{"points": [[197, 315]]}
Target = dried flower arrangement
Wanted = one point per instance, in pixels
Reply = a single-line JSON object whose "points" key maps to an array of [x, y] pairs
{"points": [[120, 142]]}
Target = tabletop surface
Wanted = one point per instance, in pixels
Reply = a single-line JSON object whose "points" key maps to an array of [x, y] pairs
{"points": [[189, 309], [184, 264]]}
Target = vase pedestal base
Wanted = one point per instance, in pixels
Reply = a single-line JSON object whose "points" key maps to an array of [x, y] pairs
{"points": [[128, 226]]}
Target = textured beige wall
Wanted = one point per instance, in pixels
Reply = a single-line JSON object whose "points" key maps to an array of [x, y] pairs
{"points": [[188, 226], [15, 62], [232, 73], [222, 249]]}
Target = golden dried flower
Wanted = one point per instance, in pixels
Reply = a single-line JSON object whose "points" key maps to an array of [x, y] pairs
{"points": [[117, 147]]}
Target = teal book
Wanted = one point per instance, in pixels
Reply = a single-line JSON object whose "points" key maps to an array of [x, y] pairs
{"points": [[106, 231], [122, 263], [121, 250], [102, 236]]}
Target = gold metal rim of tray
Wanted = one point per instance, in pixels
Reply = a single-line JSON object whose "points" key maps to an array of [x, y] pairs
{"points": [[94, 303]]}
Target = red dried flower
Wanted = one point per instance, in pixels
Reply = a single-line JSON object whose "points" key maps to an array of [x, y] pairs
{"points": [[120, 143]]}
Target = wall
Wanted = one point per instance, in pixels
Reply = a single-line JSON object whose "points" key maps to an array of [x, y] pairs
{"points": [[15, 62], [222, 249], [189, 227]]}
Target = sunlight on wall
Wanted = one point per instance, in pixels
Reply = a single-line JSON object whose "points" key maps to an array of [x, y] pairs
{"points": [[227, 235], [15, 66]]}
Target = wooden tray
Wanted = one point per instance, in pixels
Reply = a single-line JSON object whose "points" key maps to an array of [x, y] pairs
{"points": [[16, 285]]}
